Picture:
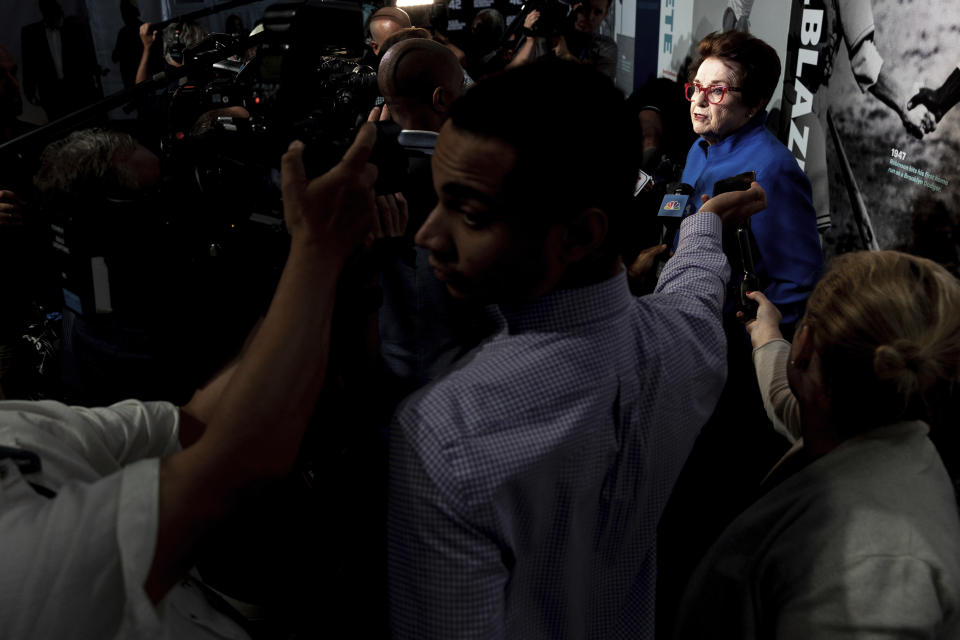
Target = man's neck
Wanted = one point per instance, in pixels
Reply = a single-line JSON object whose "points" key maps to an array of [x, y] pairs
{"points": [[420, 122], [416, 118], [590, 271]]}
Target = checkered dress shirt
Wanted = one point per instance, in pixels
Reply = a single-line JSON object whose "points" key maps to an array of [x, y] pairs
{"points": [[527, 482]]}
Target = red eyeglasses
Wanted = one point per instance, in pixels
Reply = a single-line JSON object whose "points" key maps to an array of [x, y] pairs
{"points": [[714, 92]]}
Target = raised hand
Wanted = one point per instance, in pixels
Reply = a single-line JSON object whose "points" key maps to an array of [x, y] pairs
{"points": [[531, 19], [766, 327], [335, 211], [146, 36], [736, 206]]}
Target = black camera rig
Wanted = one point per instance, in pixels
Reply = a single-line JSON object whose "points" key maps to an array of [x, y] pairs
{"points": [[300, 78]]}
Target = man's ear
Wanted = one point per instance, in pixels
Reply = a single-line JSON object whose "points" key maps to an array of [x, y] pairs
{"points": [[441, 100], [586, 233]]}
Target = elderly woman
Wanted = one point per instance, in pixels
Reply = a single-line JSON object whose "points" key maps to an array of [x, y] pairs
{"points": [[856, 533], [731, 83]]}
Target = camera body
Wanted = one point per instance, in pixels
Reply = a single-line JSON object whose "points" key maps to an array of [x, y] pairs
{"points": [[224, 219], [303, 82], [556, 17]]}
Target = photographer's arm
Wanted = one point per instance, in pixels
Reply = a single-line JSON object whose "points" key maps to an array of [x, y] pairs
{"points": [[525, 53], [200, 410], [146, 37], [561, 51], [256, 426]]}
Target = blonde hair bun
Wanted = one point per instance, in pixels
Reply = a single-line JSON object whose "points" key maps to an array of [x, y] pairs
{"points": [[905, 364], [887, 328]]}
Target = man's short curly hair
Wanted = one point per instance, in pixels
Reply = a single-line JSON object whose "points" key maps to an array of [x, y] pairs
{"points": [[572, 134], [569, 125]]}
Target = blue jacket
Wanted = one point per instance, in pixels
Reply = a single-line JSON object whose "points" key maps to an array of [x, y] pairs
{"points": [[790, 258]]}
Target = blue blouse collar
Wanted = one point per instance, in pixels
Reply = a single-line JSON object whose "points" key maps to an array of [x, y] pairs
{"points": [[732, 141]]}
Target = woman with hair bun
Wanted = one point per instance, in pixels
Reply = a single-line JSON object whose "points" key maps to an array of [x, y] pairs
{"points": [[856, 532]]}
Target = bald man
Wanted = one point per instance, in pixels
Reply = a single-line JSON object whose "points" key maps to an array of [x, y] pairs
{"points": [[422, 330], [384, 23], [419, 80]]}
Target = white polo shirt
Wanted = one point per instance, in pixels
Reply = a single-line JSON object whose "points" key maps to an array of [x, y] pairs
{"points": [[73, 566]]}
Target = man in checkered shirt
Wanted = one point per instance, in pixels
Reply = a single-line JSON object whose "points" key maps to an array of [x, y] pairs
{"points": [[526, 483]]}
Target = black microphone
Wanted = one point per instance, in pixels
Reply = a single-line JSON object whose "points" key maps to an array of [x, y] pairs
{"points": [[750, 281], [748, 307]]}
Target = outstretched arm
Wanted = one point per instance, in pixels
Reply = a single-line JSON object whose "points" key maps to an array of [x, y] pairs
{"points": [[685, 311], [525, 53], [699, 256], [770, 355]]}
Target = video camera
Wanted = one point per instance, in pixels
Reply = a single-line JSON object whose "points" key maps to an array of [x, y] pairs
{"points": [[303, 82], [555, 17], [298, 79]]}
